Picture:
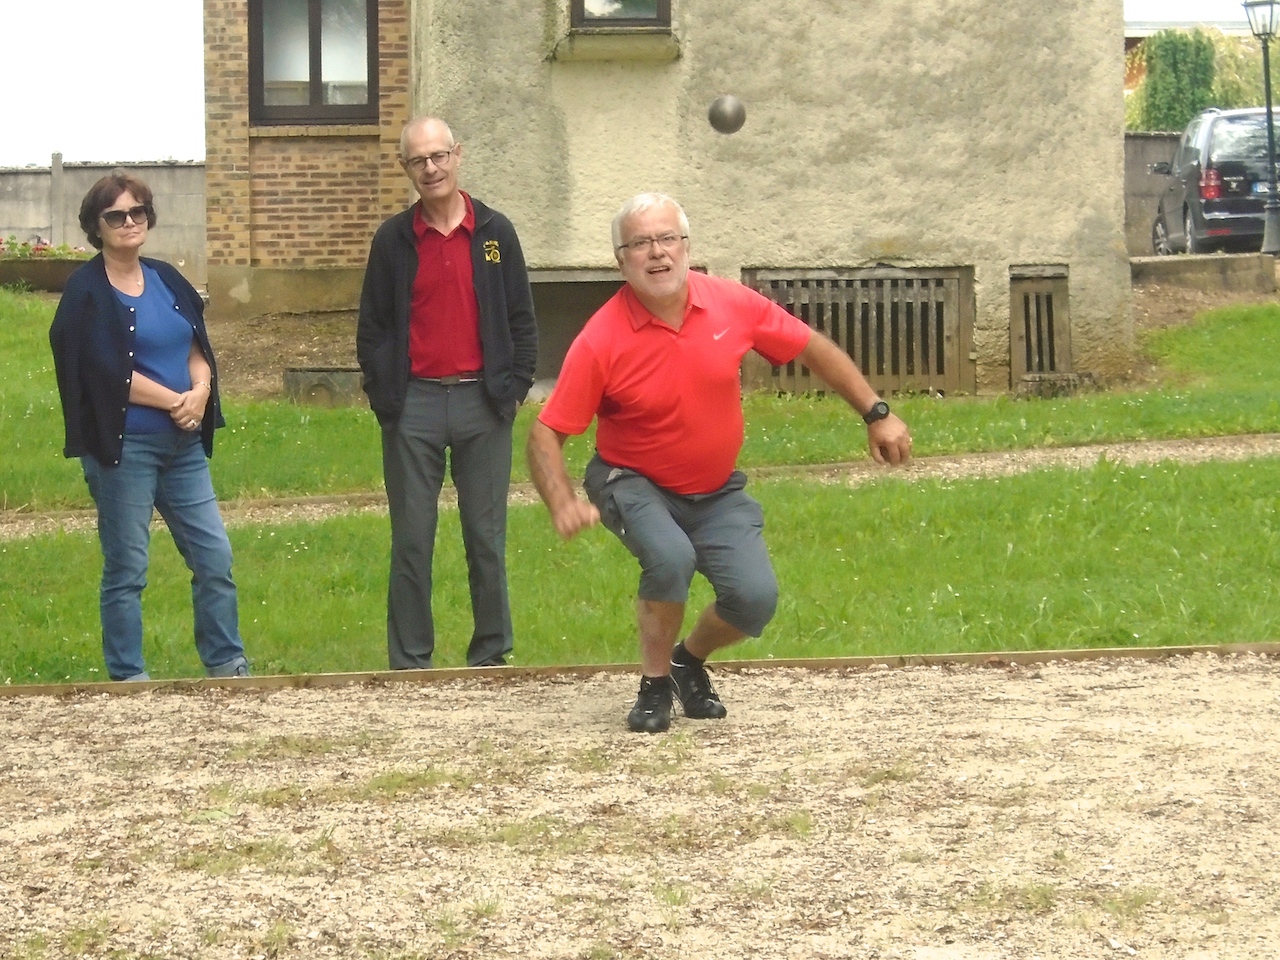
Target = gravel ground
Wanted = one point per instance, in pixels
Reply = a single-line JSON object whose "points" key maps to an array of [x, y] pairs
{"points": [[1083, 809]]}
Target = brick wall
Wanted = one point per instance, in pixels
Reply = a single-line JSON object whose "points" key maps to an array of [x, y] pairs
{"points": [[298, 196], [394, 77], [314, 200], [226, 131]]}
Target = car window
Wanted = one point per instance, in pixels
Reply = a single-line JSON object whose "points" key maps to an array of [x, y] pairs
{"points": [[1186, 155], [1239, 138]]}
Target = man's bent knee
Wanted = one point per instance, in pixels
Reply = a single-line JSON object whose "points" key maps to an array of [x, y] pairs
{"points": [[749, 609], [666, 578]]}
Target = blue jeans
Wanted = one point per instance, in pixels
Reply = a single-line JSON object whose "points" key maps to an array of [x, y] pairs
{"points": [[167, 471]]}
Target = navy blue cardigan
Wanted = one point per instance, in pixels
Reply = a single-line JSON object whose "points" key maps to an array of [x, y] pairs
{"points": [[93, 342]]}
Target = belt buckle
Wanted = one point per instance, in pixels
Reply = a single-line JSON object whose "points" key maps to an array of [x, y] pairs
{"points": [[453, 379]]}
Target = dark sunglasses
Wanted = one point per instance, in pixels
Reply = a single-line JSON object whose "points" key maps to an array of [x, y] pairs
{"points": [[115, 218]]}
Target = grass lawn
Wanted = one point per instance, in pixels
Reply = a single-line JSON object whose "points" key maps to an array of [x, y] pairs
{"points": [[1112, 556], [1218, 380]]}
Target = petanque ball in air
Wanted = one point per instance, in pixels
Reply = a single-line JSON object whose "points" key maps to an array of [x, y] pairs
{"points": [[727, 114]]}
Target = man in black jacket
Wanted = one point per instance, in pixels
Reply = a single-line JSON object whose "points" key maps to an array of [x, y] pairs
{"points": [[447, 343]]}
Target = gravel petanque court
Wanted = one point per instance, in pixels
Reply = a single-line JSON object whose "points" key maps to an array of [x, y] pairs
{"points": [[1069, 809]]}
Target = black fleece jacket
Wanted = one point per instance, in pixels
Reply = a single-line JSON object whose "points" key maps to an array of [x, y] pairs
{"points": [[508, 330]]}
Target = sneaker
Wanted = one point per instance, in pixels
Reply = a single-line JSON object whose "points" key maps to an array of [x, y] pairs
{"points": [[239, 667], [652, 711], [697, 696]]}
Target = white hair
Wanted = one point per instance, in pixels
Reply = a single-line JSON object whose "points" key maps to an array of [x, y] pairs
{"points": [[417, 122], [644, 201]]}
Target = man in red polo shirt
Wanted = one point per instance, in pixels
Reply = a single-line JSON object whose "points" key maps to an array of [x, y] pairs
{"points": [[448, 344], [658, 368]]}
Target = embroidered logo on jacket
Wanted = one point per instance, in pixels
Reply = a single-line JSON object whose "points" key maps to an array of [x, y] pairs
{"points": [[491, 251]]}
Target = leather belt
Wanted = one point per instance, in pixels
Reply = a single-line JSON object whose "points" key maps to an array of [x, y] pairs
{"points": [[454, 378]]}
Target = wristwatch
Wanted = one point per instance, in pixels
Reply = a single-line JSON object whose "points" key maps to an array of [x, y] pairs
{"points": [[879, 410]]}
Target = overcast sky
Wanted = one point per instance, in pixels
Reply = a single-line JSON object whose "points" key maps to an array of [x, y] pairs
{"points": [[123, 80], [106, 80], [1188, 10]]}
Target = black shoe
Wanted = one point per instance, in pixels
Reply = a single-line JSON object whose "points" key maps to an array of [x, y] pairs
{"points": [[498, 661], [697, 696], [652, 711]]}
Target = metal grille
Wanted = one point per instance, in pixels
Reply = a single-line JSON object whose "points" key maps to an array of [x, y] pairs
{"points": [[1040, 331], [906, 330]]}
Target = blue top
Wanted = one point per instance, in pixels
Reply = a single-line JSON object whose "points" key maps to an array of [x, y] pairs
{"points": [[161, 349]]}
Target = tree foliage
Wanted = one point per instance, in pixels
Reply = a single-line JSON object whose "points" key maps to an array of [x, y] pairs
{"points": [[1179, 81], [1187, 71], [1237, 80]]}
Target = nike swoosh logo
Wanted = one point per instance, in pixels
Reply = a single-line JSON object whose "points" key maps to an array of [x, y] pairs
{"points": [[717, 336]]}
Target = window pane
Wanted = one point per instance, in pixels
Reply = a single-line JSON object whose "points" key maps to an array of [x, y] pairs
{"points": [[344, 51], [285, 60], [620, 9]]}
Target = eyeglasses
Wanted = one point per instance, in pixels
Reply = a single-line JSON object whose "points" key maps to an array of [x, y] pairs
{"points": [[668, 241], [439, 158], [115, 218]]}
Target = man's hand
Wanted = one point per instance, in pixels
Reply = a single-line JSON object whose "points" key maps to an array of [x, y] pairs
{"points": [[572, 517], [890, 441], [569, 515]]}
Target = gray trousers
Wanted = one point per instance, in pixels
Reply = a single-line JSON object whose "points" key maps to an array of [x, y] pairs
{"points": [[459, 419], [718, 534]]}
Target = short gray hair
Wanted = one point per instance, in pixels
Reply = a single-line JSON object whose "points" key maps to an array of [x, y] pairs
{"points": [[644, 201], [422, 122]]}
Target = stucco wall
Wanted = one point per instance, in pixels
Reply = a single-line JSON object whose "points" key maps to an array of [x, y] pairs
{"points": [[921, 133]]}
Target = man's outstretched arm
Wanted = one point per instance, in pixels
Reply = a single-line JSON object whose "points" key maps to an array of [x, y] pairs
{"points": [[889, 439]]}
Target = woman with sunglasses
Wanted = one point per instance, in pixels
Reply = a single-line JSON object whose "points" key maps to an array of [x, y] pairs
{"points": [[140, 403]]}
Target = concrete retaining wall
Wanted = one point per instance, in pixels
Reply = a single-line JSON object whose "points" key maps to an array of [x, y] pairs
{"points": [[44, 202], [1142, 189], [1234, 272]]}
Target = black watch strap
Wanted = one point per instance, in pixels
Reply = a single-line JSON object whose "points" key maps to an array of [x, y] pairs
{"points": [[879, 410]]}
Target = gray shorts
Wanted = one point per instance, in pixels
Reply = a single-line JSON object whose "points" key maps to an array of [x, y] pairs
{"points": [[718, 534]]}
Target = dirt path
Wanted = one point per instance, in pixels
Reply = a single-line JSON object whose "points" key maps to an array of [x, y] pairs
{"points": [[16, 524], [1088, 809]]}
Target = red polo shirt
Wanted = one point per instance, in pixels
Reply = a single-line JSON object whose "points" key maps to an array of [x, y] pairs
{"points": [[669, 402], [444, 318]]}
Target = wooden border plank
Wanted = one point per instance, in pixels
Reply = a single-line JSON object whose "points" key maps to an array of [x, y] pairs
{"points": [[316, 681]]}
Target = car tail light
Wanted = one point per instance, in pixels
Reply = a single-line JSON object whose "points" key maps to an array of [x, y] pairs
{"points": [[1210, 184]]}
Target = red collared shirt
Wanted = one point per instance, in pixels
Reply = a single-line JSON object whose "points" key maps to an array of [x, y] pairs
{"points": [[669, 402], [444, 317]]}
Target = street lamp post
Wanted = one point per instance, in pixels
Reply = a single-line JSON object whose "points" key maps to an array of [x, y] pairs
{"points": [[1264, 19]]}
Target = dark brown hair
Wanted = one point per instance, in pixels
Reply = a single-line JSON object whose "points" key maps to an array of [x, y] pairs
{"points": [[106, 192]]}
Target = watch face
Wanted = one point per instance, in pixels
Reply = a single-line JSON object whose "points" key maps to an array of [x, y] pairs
{"points": [[879, 410]]}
